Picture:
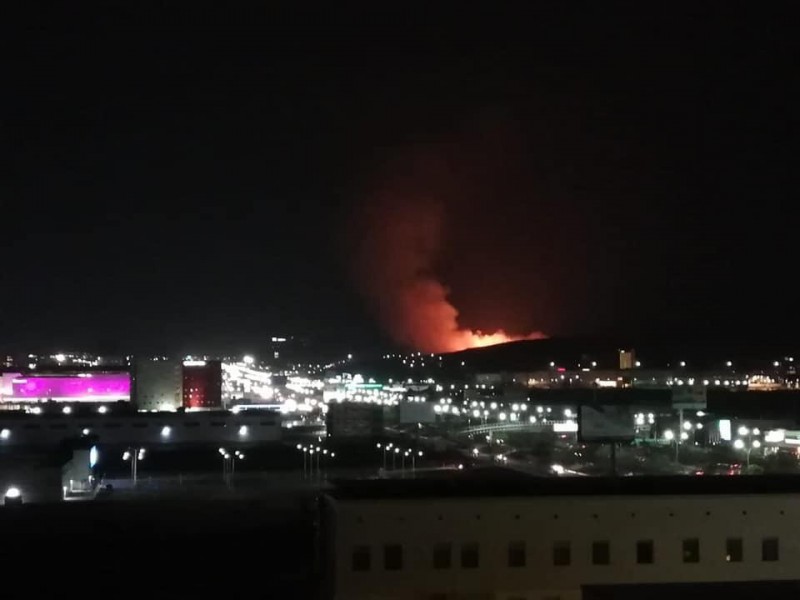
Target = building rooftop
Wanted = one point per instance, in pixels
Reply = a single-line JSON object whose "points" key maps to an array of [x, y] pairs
{"points": [[504, 483]]}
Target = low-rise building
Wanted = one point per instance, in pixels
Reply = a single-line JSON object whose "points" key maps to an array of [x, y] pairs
{"points": [[558, 538]]}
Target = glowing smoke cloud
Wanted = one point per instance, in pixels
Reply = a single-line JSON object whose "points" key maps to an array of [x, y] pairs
{"points": [[400, 242]]}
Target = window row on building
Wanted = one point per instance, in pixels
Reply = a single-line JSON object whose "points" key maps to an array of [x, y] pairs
{"points": [[446, 555]]}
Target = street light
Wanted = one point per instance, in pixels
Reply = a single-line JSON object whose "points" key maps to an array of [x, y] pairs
{"points": [[743, 430], [414, 462], [134, 455], [5, 433], [166, 430], [384, 447], [13, 496]]}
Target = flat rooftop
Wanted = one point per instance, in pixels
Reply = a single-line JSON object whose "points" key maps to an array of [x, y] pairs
{"points": [[500, 483]]}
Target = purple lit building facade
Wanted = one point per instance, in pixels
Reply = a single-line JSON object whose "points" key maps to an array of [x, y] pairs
{"points": [[88, 386]]}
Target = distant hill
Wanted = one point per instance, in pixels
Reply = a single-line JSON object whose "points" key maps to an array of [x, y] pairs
{"points": [[572, 353]]}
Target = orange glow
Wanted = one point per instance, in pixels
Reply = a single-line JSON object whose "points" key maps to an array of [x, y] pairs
{"points": [[463, 339], [399, 237]]}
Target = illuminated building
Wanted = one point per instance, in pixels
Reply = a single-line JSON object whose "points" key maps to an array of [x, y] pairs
{"points": [[244, 382], [157, 385], [81, 386], [627, 359], [202, 384]]}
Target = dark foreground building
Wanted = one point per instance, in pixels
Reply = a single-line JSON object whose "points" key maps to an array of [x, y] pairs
{"points": [[563, 538]]}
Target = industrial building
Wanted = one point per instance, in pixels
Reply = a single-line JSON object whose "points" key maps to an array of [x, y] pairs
{"points": [[157, 384], [18, 389], [558, 538], [202, 384]]}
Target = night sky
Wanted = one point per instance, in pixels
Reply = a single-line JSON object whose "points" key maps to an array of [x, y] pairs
{"points": [[185, 177]]}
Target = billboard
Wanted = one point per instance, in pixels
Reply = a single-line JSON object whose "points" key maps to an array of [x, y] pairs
{"points": [[691, 397], [605, 423], [78, 387]]}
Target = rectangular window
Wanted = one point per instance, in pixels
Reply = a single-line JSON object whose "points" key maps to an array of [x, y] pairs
{"points": [[561, 554], [469, 556], [691, 550], [601, 553], [769, 549], [392, 557], [442, 555], [516, 554], [644, 552], [361, 558], [734, 550]]}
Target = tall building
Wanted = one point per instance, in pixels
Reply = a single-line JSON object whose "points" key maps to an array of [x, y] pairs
{"points": [[157, 385], [202, 384], [627, 359]]}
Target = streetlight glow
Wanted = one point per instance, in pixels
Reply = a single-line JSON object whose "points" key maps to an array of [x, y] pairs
{"points": [[669, 435], [738, 444]]}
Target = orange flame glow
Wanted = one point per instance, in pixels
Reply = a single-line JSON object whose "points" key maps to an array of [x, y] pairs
{"points": [[399, 242]]}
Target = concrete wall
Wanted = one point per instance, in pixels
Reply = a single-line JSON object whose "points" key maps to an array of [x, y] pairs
{"points": [[540, 522]]}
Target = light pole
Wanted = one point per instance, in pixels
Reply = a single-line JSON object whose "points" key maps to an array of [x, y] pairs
{"points": [[740, 445], [669, 435], [394, 454], [229, 463], [414, 462], [240, 456], [134, 455], [384, 447], [304, 450]]}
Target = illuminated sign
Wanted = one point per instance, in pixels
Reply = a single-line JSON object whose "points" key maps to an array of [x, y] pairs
{"points": [[725, 429]]}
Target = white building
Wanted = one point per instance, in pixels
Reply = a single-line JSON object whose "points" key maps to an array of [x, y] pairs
{"points": [[556, 539]]}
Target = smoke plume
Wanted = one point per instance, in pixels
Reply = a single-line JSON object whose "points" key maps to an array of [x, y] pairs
{"points": [[400, 237]]}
